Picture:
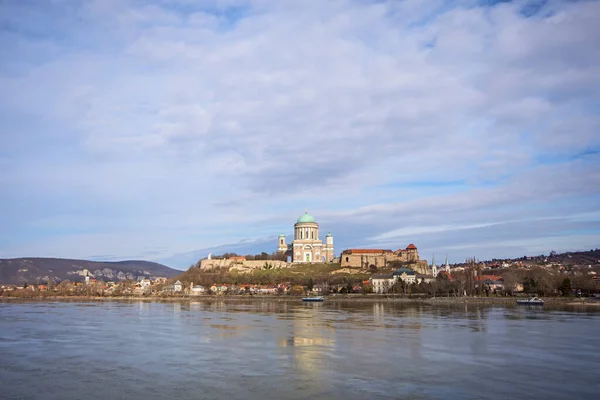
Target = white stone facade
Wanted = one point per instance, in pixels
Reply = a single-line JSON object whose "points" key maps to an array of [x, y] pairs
{"points": [[306, 246]]}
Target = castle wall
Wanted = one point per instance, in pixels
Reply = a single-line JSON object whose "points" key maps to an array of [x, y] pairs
{"points": [[248, 265], [366, 260], [381, 259]]}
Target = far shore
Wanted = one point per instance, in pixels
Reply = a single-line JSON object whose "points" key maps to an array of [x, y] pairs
{"points": [[338, 298]]}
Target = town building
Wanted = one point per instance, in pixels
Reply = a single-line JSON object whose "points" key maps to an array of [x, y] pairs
{"points": [[407, 275], [145, 283], [306, 246], [381, 283], [178, 286], [197, 290]]}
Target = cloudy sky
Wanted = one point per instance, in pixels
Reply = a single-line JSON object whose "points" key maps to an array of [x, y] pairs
{"points": [[165, 129]]}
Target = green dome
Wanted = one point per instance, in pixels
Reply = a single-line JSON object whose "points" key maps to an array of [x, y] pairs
{"points": [[329, 234], [305, 218], [404, 270]]}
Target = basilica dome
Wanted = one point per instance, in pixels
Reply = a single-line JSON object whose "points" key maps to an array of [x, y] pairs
{"points": [[306, 218]]}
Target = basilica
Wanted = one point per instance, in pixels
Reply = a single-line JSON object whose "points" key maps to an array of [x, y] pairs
{"points": [[306, 246]]}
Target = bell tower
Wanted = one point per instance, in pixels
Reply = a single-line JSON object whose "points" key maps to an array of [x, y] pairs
{"points": [[329, 254], [281, 245]]}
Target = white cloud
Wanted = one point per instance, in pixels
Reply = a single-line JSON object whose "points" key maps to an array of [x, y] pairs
{"points": [[232, 117]]}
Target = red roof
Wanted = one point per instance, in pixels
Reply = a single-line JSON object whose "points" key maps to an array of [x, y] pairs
{"points": [[411, 246], [365, 251], [446, 274]]}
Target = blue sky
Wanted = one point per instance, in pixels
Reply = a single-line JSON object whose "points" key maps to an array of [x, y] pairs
{"points": [[164, 130]]}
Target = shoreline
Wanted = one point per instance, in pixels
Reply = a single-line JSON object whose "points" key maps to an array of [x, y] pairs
{"points": [[328, 299]]}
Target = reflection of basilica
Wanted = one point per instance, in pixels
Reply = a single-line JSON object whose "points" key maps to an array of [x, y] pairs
{"points": [[311, 340]]}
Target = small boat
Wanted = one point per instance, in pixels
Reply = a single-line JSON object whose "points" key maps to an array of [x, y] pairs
{"points": [[534, 301], [313, 299]]}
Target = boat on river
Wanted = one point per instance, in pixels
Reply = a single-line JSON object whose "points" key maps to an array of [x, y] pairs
{"points": [[534, 301], [313, 299]]}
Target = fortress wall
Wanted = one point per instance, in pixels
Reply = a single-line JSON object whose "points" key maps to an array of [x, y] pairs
{"points": [[206, 265]]}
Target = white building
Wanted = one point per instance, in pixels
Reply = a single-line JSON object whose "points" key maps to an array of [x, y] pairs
{"points": [[307, 247], [145, 283], [197, 290], [178, 286], [381, 283]]}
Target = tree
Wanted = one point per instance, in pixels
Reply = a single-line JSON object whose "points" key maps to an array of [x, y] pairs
{"points": [[584, 284], [510, 283], [349, 288], [565, 287]]}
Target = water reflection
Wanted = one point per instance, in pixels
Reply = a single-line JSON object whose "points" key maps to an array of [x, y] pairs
{"points": [[271, 349]]}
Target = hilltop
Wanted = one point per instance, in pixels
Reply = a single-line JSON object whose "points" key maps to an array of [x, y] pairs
{"points": [[297, 273], [572, 259], [40, 270]]}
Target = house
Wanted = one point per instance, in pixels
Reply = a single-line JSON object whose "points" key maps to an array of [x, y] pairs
{"points": [[268, 289], [492, 282], [178, 286], [197, 290], [407, 275], [446, 274], [145, 283], [219, 288], [138, 290], [381, 283], [171, 289]]}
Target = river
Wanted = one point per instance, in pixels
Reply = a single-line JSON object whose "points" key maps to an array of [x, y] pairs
{"points": [[290, 350]]}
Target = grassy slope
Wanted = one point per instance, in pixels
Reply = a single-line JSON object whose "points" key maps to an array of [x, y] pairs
{"points": [[299, 273]]}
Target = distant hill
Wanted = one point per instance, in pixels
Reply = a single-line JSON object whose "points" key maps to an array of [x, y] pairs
{"points": [[569, 259], [38, 270]]}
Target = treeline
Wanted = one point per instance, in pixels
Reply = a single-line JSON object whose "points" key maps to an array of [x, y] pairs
{"points": [[68, 288], [534, 281]]}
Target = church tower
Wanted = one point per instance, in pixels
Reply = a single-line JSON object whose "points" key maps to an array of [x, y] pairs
{"points": [[329, 254], [434, 270], [281, 245], [447, 266]]}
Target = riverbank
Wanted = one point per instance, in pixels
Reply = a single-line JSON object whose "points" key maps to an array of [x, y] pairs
{"points": [[371, 298]]}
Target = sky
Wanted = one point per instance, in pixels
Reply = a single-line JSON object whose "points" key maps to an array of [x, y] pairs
{"points": [[165, 130]]}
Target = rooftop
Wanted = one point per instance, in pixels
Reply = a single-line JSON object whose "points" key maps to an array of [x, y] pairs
{"points": [[306, 217], [404, 270], [366, 251]]}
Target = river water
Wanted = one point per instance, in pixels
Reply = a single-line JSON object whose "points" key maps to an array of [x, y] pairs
{"points": [[285, 350]]}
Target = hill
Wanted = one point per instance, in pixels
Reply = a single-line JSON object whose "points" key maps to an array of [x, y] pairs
{"points": [[38, 270], [573, 259], [296, 274]]}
